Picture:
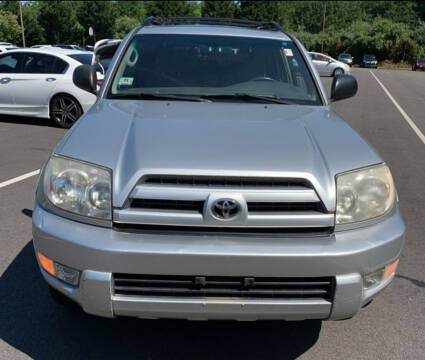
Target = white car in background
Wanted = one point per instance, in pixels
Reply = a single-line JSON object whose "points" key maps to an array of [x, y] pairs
{"points": [[328, 66], [5, 46], [38, 82], [40, 46]]}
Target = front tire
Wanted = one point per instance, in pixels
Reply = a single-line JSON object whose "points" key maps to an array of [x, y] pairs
{"points": [[65, 110], [338, 71]]}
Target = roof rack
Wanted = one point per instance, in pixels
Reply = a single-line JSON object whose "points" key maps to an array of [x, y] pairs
{"points": [[257, 25]]}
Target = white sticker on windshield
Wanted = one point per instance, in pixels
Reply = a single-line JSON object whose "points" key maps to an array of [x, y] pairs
{"points": [[126, 81], [288, 52]]}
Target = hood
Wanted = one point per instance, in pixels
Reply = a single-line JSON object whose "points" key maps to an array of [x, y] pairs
{"points": [[135, 138]]}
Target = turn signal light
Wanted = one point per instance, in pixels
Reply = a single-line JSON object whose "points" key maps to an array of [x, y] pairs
{"points": [[47, 264], [390, 270]]}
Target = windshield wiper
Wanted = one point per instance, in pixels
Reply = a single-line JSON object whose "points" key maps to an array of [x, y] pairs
{"points": [[244, 96], [152, 96]]}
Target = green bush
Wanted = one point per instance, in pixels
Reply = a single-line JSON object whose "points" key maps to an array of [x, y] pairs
{"points": [[9, 27]]}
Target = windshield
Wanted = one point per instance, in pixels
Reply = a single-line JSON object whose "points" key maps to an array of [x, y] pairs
{"points": [[345, 56], [213, 65], [369, 57], [83, 58]]}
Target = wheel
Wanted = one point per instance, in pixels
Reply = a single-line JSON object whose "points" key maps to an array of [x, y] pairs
{"points": [[65, 110], [338, 71]]}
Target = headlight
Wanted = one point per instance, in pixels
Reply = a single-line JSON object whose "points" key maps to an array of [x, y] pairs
{"points": [[78, 187], [364, 194]]}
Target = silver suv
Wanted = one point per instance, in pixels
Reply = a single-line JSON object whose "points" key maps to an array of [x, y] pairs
{"points": [[212, 180]]}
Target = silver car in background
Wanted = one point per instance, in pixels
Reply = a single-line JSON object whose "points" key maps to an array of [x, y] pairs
{"points": [[212, 180], [328, 66]]}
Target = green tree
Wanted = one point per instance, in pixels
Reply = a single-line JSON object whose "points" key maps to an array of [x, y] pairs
{"points": [[306, 16], [131, 9], [195, 8], [34, 32], [258, 10], [220, 9], [123, 25], [9, 27], [100, 15], [11, 6], [59, 21], [169, 8]]}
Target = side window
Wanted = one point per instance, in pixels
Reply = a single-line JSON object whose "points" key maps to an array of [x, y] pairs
{"points": [[321, 58], [59, 66], [9, 63], [38, 63], [313, 56]]}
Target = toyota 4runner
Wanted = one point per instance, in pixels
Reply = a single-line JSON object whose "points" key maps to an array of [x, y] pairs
{"points": [[212, 180]]}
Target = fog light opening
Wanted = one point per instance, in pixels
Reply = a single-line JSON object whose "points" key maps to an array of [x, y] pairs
{"points": [[59, 271], [375, 278], [67, 274]]}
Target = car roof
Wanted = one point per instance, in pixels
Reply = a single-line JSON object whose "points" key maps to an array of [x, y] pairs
{"points": [[315, 52], [218, 30], [54, 50]]}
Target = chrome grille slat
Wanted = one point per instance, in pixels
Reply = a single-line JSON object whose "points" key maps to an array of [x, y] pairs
{"points": [[190, 205], [191, 218], [224, 231], [295, 194]]}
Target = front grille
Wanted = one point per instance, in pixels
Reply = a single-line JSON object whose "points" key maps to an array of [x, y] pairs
{"points": [[186, 205], [224, 181], [224, 286], [191, 201]]}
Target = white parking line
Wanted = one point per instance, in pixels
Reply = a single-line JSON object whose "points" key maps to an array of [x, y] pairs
{"points": [[19, 178], [402, 112]]}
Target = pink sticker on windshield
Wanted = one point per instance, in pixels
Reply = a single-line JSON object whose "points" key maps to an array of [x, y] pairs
{"points": [[288, 52]]}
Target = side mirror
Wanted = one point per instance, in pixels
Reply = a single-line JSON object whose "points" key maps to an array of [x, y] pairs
{"points": [[343, 87], [85, 78], [99, 68]]}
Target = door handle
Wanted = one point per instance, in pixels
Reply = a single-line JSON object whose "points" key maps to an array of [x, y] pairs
{"points": [[50, 79], [5, 80]]}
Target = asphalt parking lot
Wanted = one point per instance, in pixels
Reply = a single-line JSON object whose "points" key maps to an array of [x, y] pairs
{"points": [[392, 327]]}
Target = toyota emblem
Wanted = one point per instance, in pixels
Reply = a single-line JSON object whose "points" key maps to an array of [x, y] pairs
{"points": [[225, 209]]}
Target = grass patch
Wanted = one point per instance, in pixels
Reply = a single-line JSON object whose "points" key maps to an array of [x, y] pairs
{"points": [[394, 66]]}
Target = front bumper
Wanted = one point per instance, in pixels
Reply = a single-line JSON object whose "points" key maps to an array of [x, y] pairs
{"points": [[100, 252]]}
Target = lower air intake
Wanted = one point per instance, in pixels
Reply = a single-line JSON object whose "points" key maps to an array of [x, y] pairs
{"points": [[223, 286]]}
